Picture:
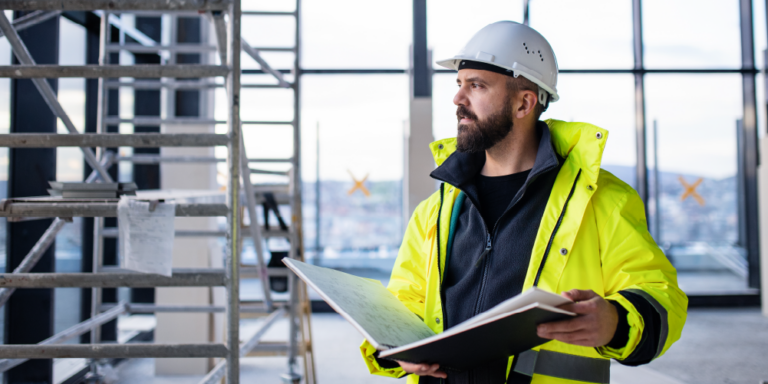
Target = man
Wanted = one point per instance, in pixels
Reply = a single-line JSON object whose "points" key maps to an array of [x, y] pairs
{"points": [[524, 203]]}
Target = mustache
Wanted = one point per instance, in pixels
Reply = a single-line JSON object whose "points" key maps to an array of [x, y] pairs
{"points": [[464, 112]]}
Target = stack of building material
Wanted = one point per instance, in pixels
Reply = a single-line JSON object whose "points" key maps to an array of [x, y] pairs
{"points": [[91, 190]]}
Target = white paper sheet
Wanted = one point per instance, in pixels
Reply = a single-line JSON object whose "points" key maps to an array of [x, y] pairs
{"points": [[146, 238]]}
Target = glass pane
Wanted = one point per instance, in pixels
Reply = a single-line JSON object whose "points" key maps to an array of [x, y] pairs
{"points": [[761, 44], [361, 138], [443, 110], [697, 221], [68, 260], [691, 34], [603, 42], [269, 31], [69, 167], [269, 5], [451, 23], [606, 101], [758, 32], [356, 34]]}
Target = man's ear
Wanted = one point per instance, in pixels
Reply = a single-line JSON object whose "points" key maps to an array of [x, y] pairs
{"points": [[525, 103]]}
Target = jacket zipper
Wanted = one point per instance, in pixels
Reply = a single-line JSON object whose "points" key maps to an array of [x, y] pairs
{"points": [[554, 231]]}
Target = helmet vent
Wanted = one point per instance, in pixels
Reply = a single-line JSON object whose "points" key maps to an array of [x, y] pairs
{"points": [[529, 50]]}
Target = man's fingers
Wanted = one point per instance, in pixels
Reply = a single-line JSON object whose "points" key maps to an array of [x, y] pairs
{"points": [[423, 369], [414, 368], [575, 338], [571, 325], [434, 370], [438, 373], [430, 368], [579, 295], [583, 307]]}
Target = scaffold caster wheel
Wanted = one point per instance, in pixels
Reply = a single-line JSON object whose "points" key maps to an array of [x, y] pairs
{"points": [[291, 378]]}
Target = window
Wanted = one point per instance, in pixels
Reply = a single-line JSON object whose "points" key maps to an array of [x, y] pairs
{"points": [[696, 219], [592, 34], [356, 34], [361, 136], [691, 34]]}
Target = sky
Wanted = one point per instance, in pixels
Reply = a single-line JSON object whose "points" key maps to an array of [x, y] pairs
{"points": [[361, 118]]}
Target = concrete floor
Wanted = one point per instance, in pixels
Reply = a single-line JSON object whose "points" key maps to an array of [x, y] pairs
{"points": [[727, 346]]}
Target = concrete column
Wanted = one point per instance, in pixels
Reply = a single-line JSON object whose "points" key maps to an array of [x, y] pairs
{"points": [[762, 177], [188, 252], [418, 161]]}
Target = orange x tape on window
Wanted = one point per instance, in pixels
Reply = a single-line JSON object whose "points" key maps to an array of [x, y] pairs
{"points": [[690, 190], [359, 185]]}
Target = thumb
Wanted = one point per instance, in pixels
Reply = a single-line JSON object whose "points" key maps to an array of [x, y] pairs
{"points": [[579, 295]]}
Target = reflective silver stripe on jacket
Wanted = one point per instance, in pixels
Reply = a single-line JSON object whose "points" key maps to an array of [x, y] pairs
{"points": [[564, 366], [664, 331]]}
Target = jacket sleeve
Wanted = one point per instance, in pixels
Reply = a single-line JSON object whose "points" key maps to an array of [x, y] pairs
{"points": [[408, 281], [638, 276]]}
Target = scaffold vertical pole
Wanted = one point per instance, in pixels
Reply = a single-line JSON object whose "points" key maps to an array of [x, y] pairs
{"points": [[98, 222], [296, 214], [233, 195]]}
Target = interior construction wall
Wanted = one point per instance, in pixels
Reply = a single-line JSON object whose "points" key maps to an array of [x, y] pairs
{"points": [[189, 252], [418, 162]]}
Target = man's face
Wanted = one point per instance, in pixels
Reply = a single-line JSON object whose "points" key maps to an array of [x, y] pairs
{"points": [[484, 110]]}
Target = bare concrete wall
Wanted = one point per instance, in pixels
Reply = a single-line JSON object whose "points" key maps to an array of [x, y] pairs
{"points": [[188, 252], [418, 162]]}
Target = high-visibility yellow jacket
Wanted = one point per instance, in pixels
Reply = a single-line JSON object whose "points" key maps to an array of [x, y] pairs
{"points": [[609, 250]]}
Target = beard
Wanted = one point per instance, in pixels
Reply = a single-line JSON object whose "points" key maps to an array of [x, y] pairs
{"points": [[482, 134]]}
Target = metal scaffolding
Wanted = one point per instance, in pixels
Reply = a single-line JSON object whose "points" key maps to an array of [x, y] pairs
{"points": [[242, 193]]}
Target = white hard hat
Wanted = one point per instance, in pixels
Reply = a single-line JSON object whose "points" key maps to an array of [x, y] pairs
{"points": [[517, 48]]}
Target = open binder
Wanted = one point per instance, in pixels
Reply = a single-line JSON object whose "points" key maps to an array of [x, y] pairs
{"points": [[504, 330]]}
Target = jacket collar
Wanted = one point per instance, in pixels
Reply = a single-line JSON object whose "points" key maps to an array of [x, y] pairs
{"points": [[460, 169], [579, 143]]}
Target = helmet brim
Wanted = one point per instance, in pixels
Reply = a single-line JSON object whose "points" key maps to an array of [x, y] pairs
{"points": [[453, 63]]}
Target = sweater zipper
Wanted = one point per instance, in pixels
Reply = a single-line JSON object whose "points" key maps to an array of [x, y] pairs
{"points": [[484, 259], [488, 247]]}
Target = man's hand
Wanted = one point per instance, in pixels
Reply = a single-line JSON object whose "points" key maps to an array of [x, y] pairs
{"points": [[593, 328], [423, 369]]}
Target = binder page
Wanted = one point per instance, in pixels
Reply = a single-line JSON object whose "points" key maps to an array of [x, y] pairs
{"points": [[382, 319], [531, 296]]}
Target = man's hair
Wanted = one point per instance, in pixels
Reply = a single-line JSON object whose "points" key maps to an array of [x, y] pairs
{"points": [[517, 84]]}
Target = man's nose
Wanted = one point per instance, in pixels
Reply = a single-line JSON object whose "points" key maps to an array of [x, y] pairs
{"points": [[460, 97]]}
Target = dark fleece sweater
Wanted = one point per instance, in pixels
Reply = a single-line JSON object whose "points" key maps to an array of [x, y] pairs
{"points": [[476, 280]]}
